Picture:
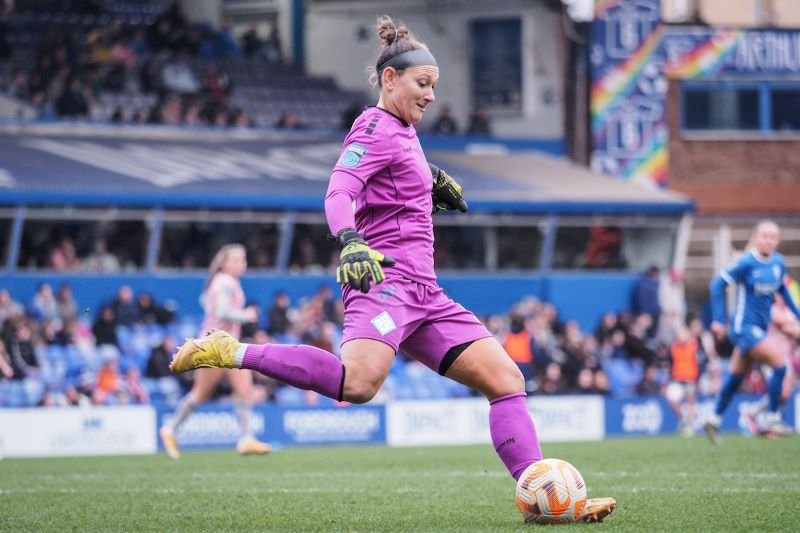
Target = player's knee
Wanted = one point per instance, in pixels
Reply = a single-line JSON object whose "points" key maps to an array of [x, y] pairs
{"points": [[359, 391], [515, 379], [508, 380]]}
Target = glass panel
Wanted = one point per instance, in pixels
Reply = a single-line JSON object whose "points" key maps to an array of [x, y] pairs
{"points": [[458, 247], [83, 245], [5, 238], [721, 109], [311, 249], [786, 109], [518, 247], [612, 247], [497, 63], [193, 244]]}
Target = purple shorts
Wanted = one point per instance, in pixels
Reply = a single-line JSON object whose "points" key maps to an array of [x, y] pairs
{"points": [[421, 321]]}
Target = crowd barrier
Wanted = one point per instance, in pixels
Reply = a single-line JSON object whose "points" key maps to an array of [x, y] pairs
{"points": [[126, 430]]}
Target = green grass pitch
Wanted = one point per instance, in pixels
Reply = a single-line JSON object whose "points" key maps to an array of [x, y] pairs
{"points": [[661, 484]]}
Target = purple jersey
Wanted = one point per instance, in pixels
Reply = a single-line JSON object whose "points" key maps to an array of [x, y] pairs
{"points": [[382, 175]]}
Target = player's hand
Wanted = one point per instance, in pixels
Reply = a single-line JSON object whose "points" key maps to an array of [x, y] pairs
{"points": [[358, 263], [719, 330], [252, 313], [447, 194]]}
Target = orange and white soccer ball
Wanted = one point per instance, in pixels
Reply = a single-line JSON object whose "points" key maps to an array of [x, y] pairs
{"points": [[551, 491]]}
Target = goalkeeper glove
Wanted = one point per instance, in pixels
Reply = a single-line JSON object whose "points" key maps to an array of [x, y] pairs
{"points": [[358, 262], [447, 193]]}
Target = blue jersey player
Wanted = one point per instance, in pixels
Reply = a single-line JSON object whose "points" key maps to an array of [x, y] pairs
{"points": [[756, 276]]}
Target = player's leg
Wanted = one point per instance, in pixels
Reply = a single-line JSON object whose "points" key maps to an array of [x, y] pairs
{"points": [[205, 381], [691, 408], [769, 353], [486, 367], [302, 366], [355, 378], [739, 367], [675, 395], [241, 382], [374, 328]]}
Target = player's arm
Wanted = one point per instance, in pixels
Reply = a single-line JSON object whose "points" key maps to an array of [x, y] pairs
{"points": [[728, 276], [362, 157], [225, 310], [447, 193], [787, 297]]}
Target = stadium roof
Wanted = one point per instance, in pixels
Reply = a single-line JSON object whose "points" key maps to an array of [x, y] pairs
{"points": [[144, 166]]}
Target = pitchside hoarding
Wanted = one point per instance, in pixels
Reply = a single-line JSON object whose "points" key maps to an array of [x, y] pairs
{"points": [[50, 432]]}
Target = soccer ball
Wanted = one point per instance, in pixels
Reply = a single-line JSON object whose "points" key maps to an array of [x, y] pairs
{"points": [[551, 491]]}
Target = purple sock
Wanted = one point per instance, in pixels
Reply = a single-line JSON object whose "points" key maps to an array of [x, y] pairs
{"points": [[513, 433], [302, 366]]}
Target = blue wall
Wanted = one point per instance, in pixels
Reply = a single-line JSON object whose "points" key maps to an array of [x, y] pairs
{"points": [[580, 296]]}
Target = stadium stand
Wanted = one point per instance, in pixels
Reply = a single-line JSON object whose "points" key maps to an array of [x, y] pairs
{"points": [[134, 62]]}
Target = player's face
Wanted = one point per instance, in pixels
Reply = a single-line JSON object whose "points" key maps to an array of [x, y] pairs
{"points": [[767, 239], [235, 263], [409, 93]]}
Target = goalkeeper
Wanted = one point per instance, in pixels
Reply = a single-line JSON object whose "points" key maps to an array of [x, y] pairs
{"points": [[379, 207]]}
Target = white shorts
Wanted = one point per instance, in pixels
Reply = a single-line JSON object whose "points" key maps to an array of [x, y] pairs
{"points": [[678, 390]]}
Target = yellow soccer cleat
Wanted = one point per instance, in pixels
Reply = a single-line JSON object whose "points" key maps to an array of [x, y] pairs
{"points": [[170, 443], [252, 446], [215, 350], [597, 509]]}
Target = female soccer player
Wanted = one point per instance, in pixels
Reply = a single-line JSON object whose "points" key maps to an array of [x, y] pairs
{"points": [[379, 203], [758, 275], [223, 301], [784, 330]]}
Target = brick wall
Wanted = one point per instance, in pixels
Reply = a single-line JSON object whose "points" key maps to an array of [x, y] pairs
{"points": [[733, 175]]}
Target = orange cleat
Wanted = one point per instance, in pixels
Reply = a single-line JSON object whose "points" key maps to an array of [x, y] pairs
{"points": [[170, 443], [252, 446], [597, 509]]}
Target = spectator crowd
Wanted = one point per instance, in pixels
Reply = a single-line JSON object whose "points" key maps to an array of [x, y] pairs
{"points": [[168, 63], [53, 352]]}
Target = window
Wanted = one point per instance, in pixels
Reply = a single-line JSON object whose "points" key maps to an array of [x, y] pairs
{"points": [[458, 247], [714, 108], [610, 245], [311, 249], [497, 63], [785, 108], [744, 106], [89, 245], [5, 237], [488, 246], [188, 244], [518, 247]]}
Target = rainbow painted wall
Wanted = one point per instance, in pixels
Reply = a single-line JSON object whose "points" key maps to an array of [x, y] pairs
{"points": [[632, 56]]}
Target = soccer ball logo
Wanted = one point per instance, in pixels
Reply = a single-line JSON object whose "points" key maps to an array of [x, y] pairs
{"points": [[551, 491]]}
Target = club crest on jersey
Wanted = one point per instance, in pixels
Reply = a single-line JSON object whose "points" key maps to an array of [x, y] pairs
{"points": [[353, 155]]}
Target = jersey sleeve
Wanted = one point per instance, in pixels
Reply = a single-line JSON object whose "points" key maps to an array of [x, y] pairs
{"points": [[365, 153], [785, 292], [736, 272]]}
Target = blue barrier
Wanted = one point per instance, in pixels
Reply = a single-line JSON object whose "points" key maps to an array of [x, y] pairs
{"points": [[579, 296], [653, 415], [216, 426]]}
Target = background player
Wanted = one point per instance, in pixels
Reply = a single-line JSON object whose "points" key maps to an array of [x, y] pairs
{"points": [[223, 301], [757, 275], [381, 196], [784, 331]]}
